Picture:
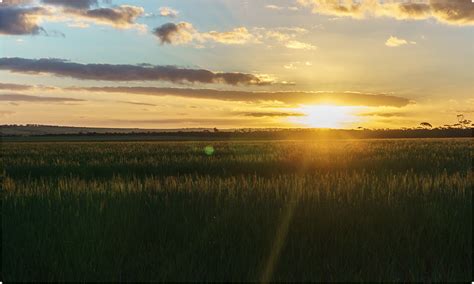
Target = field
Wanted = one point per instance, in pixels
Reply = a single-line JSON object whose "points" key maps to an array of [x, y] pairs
{"points": [[333, 210]]}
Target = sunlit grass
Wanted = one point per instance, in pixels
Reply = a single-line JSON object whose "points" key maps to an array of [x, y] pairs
{"points": [[380, 210]]}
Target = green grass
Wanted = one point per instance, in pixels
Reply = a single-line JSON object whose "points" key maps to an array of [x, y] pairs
{"points": [[380, 210]]}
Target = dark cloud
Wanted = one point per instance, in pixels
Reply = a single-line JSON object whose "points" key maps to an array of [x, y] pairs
{"points": [[109, 72], [27, 98], [165, 31], [121, 16], [174, 33], [76, 4], [20, 21], [294, 98], [454, 11]]}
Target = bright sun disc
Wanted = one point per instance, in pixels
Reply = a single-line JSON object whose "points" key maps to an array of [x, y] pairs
{"points": [[326, 116]]}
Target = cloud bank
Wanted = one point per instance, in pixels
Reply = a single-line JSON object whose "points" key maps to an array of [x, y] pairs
{"points": [[291, 98], [453, 12], [124, 72]]}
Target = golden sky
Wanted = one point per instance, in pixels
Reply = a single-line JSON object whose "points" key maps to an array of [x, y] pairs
{"points": [[236, 64]]}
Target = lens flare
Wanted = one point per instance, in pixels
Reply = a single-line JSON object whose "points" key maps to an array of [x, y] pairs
{"points": [[209, 150]]}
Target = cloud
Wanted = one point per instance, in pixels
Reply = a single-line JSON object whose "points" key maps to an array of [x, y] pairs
{"points": [[168, 12], [109, 72], [236, 36], [136, 103], [272, 114], [27, 98], [454, 12], [383, 114], [274, 7], [291, 98], [280, 8], [123, 16], [15, 19], [76, 4], [297, 64], [5, 3], [294, 44], [175, 33], [393, 41], [20, 21], [15, 87], [186, 122], [184, 32]]}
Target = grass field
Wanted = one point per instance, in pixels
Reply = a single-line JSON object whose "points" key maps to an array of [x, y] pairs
{"points": [[392, 210]]}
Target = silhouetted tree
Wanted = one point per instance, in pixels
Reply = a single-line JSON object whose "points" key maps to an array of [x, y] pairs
{"points": [[426, 125], [216, 130], [464, 123]]}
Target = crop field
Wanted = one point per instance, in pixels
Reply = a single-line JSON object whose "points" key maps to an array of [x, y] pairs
{"points": [[340, 210]]}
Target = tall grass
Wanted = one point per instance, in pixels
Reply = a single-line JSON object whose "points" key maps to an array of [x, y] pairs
{"points": [[380, 210]]}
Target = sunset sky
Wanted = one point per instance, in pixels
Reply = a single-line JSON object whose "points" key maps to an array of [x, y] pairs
{"points": [[234, 64]]}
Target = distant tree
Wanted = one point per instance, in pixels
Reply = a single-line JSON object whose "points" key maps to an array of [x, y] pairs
{"points": [[466, 123], [463, 122], [216, 130], [426, 125]]}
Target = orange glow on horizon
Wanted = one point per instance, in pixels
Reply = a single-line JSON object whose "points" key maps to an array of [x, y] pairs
{"points": [[327, 116]]}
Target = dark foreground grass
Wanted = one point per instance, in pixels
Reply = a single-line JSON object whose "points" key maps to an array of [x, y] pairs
{"points": [[391, 210]]}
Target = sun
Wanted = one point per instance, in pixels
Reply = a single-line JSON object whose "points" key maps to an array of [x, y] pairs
{"points": [[326, 116]]}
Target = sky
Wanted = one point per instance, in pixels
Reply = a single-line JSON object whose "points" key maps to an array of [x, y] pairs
{"points": [[236, 63]]}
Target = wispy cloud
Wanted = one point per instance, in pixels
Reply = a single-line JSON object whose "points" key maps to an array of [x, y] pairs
{"points": [[168, 12], [28, 98], [272, 114], [281, 8], [294, 44], [15, 87], [297, 64]]}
